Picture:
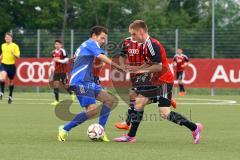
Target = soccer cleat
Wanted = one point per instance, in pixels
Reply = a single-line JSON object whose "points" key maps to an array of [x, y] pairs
{"points": [[197, 133], [1, 95], [54, 103], [62, 134], [182, 93], [125, 138], [104, 138], [10, 99], [174, 103], [122, 125]]}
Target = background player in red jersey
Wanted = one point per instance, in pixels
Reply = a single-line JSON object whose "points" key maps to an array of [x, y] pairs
{"points": [[180, 61], [60, 60], [160, 90], [131, 54]]}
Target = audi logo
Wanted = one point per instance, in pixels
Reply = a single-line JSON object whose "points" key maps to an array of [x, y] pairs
{"points": [[35, 71], [133, 51]]}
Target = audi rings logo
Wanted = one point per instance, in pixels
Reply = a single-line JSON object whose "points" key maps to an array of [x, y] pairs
{"points": [[133, 51], [34, 72]]}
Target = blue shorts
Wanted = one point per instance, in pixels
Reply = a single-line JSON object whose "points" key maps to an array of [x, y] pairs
{"points": [[87, 92]]}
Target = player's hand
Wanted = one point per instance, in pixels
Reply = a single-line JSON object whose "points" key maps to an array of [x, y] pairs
{"points": [[184, 65]]}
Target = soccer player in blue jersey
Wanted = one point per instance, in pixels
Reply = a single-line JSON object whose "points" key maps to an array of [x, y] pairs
{"points": [[82, 82]]}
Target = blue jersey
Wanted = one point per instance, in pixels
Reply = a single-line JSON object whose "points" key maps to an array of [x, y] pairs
{"points": [[82, 70]]}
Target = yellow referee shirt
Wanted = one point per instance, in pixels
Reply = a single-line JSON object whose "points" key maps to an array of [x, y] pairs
{"points": [[9, 53]]}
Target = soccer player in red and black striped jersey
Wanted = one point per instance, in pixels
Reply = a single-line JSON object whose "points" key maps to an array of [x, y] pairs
{"points": [[180, 61], [132, 51], [60, 59], [160, 90]]}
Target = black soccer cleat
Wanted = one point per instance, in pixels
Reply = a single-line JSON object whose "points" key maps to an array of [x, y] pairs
{"points": [[10, 99]]}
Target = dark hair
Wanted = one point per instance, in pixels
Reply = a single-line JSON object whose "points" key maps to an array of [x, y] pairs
{"points": [[58, 41], [137, 24], [97, 30], [8, 34]]}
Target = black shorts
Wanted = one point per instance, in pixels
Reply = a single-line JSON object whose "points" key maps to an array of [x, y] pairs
{"points": [[179, 75], [10, 69], [61, 77], [157, 94]]}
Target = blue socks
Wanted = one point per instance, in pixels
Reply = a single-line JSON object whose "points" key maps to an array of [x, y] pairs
{"points": [[104, 114], [79, 119], [82, 117]]}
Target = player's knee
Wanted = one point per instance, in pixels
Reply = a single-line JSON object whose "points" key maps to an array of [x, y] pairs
{"points": [[109, 101], [164, 114], [92, 110]]}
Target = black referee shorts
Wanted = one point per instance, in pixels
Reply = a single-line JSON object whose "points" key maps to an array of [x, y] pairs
{"points": [[157, 94], [179, 75], [10, 69]]}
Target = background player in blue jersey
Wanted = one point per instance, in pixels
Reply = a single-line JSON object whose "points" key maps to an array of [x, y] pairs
{"points": [[82, 82]]}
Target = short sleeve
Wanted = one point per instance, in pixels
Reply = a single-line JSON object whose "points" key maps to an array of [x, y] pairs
{"points": [[64, 53], [16, 50], [186, 58], [155, 52], [95, 49]]}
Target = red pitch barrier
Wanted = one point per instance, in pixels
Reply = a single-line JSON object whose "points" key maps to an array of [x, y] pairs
{"points": [[201, 73]]}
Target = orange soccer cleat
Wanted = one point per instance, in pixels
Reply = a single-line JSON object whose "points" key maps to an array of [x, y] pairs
{"points": [[182, 93], [122, 125], [174, 103]]}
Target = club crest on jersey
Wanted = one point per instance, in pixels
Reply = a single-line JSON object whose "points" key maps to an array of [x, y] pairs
{"points": [[132, 52], [81, 89]]}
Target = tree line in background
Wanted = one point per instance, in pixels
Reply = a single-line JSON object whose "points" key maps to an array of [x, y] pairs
{"points": [[187, 15]]}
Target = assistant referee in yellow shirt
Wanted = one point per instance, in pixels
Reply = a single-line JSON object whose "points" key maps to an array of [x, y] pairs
{"points": [[10, 52]]}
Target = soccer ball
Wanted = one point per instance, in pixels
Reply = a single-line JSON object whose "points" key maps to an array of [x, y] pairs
{"points": [[95, 132]]}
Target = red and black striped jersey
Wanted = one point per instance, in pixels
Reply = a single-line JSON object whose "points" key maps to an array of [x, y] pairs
{"points": [[180, 60], [97, 67], [61, 54], [154, 52], [133, 50]]}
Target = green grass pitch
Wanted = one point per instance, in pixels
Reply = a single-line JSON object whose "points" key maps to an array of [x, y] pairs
{"points": [[28, 130]]}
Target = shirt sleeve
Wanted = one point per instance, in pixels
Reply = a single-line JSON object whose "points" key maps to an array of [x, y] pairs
{"points": [[186, 58], [1, 49], [64, 53], [155, 52], [174, 59], [17, 51], [95, 49]]}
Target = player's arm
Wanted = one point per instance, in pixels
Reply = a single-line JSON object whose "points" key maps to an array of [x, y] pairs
{"points": [[152, 68], [107, 60], [156, 59], [186, 61], [65, 59], [16, 51], [174, 62]]}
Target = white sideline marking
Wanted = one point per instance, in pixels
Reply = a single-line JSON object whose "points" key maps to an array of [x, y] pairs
{"points": [[206, 101]]}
